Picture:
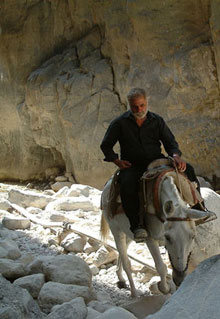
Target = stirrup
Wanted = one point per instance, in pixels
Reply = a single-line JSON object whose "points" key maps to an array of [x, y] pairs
{"points": [[140, 235]]}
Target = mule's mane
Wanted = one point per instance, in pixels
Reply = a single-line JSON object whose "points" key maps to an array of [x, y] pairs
{"points": [[170, 191]]}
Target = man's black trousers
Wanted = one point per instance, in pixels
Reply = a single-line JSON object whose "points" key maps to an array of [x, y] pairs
{"points": [[129, 190]]}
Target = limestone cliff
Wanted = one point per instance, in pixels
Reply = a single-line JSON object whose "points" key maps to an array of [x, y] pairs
{"points": [[66, 67]]}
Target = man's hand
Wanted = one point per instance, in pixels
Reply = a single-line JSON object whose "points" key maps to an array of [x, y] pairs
{"points": [[122, 164], [181, 165]]}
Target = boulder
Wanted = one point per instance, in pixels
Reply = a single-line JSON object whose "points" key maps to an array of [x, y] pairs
{"points": [[198, 295], [9, 249], [64, 269], [33, 283], [145, 305], [79, 190], [116, 312], [69, 203], [13, 223], [74, 243], [61, 178], [59, 185], [27, 198], [100, 306], [92, 313], [73, 309], [5, 204], [16, 302], [7, 233], [53, 293], [104, 256], [11, 269]]}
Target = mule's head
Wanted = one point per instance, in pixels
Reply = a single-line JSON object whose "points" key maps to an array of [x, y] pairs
{"points": [[179, 233]]}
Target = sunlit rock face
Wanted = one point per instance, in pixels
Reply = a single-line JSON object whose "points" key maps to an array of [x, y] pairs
{"points": [[66, 67]]}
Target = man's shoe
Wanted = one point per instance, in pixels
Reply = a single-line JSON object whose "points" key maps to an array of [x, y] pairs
{"points": [[140, 235]]}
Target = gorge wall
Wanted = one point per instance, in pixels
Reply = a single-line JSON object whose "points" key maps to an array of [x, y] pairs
{"points": [[67, 65]]}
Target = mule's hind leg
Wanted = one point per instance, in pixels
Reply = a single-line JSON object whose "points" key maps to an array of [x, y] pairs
{"points": [[121, 283], [121, 244], [159, 264]]}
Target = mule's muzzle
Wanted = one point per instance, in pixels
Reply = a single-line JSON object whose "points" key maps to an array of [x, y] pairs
{"points": [[178, 276]]}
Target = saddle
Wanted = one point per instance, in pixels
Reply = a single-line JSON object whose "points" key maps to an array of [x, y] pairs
{"points": [[150, 184]]}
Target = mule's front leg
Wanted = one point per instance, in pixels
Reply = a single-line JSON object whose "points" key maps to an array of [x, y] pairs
{"points": [[161, 268]]}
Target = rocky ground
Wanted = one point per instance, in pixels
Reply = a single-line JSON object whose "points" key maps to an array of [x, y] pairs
{"points": [[78, 205]]}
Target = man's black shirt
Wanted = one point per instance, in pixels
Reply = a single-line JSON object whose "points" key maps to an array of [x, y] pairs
{"points": [[138, 145]]}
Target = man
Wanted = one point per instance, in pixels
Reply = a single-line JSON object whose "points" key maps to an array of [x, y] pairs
{"points": [[140, 134]]}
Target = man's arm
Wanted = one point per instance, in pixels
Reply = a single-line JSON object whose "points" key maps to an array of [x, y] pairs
{"points": [[171, 146], [110, 139]]}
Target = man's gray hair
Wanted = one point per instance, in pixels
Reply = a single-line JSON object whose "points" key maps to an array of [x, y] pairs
{"points": [[136, 92]]}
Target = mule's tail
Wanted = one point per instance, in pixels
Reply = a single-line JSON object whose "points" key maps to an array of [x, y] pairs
{"points": [[104, 228]]}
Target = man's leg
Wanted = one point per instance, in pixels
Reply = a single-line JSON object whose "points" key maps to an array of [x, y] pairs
{"points": [[190, 173], [129, 191]]}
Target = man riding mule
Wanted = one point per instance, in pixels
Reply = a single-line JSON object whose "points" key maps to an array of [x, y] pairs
{"points": [[140, 134], [173, 212]]}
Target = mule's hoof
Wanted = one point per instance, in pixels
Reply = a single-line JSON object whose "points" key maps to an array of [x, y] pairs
{"points": [[122, 284], [165, 289]]}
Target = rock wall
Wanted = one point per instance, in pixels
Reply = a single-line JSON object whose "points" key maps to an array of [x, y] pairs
{"points": [[66, 67]]}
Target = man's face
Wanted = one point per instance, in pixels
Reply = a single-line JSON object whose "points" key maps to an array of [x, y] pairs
{"points": [[138, 107]]}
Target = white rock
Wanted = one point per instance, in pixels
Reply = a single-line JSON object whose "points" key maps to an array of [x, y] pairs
{"points": [[79, 190], [74, 309], [100, 306], [61, 179], [94, 270], [33, 283], [57, 217], [5, 204], [90, 249], [13, 223], [145, 305], [116, 312], [17, 303], [74, 243], [153, 285], [66, 269], [28, 198], [197, 296], [92, 313], [104, 256], [36, 266], [103, 296], [26, 259], [34, 210], [9, 249], [69, 203], [62, 192], [7, 233], [11, 269], [58, 185], [53, 293], [49, 192]]}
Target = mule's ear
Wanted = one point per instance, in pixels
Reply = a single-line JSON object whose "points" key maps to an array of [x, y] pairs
{"points": [[198, 214], [168, 208]]}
